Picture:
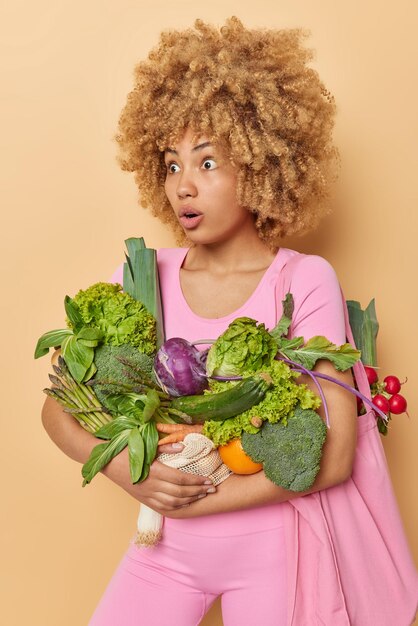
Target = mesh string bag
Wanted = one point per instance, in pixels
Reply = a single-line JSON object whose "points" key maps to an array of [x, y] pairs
{"points": [[200, 457]]}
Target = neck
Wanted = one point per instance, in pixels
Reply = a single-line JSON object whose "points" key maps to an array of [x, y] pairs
{"points": [[244, 251]]}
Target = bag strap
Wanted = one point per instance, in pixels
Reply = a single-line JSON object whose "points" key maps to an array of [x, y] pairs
{"points": [[358, 368]]}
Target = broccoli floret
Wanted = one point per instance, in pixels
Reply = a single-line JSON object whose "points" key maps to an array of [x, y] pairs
{"points": [[290, 453], [109, 367], [122, 319]]}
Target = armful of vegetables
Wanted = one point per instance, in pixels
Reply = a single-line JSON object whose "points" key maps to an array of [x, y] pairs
{"points": [[119, 379]]}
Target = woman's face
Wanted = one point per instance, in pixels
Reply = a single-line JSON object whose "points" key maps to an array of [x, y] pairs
{"points": [[201, 187]]}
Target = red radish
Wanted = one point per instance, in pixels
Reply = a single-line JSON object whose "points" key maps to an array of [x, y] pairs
{"points": [[381, 402], [392, 384], [371, 374], [397, 404]]}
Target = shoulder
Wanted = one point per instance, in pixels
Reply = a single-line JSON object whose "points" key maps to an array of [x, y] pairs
{"points": [[308, 269], [317, 295]]}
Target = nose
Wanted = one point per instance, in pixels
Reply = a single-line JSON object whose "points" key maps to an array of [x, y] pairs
{"points": [[186, 185]]}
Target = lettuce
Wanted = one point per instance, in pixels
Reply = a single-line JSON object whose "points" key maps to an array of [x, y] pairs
{"points": [[121, 318], [245, 347]]}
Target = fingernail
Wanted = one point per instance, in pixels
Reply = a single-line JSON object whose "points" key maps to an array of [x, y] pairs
{"points": [[208, 482], [211, 490], [177, 446], [201, 495]]}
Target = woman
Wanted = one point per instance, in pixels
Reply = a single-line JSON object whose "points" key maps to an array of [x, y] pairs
{"points": [[229, 135]]}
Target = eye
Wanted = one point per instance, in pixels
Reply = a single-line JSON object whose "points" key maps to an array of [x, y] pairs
{"points": [[209, 164], [172, 168]]}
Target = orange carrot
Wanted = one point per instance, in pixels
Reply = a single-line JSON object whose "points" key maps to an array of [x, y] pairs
{"points": [[169, 428], [178, 434]]}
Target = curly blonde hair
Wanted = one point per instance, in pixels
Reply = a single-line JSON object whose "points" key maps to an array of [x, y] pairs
{"points": [[251, 91]]}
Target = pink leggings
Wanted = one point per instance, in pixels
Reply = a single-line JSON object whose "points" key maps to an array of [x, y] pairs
{"points": [[177, 581]]}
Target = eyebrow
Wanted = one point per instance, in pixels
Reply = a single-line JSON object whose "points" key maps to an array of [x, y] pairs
{"points": [[200, 146]]}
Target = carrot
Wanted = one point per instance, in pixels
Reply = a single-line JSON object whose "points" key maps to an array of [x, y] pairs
{"points": [[169, 428], [177, 434]]}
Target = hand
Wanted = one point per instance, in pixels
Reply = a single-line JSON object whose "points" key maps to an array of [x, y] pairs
{"points": [[165, 489]]}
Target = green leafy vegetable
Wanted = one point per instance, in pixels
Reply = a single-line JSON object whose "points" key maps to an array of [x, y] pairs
{"points": [[110, 367], [73, 314], [102, 454], [51, 339], [245, 347], [115, 427], [140, 280], [150, 437], [365, 327], [127, 404], [281, 329], [78, 357], [290, 453], [121, 318], [342, 357], [152, 402], [279, 401], [136, 454]]}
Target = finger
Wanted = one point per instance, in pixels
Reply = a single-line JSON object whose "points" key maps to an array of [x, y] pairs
{"points": [[183, 493], [171, 502], [170, 448], [176, 476]]}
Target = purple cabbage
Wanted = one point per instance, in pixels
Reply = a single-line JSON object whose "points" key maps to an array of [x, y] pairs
{"points": [[180, 368]]}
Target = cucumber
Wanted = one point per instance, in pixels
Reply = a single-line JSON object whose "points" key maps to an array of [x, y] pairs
{"points": [[220, 406]]}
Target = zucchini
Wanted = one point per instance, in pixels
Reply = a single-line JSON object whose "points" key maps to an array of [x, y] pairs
{"points": [[225, 404]]}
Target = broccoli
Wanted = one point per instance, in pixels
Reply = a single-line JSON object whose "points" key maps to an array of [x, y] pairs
{"points": [[290, 453], [110, 368], [122, 319]]}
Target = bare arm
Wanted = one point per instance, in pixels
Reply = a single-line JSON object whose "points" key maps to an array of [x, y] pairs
{"points": [[242, 492], [165, 489]]}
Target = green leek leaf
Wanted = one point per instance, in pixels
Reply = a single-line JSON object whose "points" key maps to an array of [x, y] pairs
{"points": [[365, 327], [370, 330], [140, 280], [136, 454], [51, 339]]}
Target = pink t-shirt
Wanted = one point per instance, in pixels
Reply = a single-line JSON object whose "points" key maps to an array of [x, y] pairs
{"points": [[318, 311]]}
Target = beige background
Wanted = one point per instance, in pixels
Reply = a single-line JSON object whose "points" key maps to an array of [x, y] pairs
{"points": [[66, 209]]}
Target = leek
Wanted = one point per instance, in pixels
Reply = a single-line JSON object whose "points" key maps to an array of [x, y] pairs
{"points": [[140, 280]]}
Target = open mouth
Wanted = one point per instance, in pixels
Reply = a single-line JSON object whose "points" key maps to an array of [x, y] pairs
{"points": [[190, 218]]}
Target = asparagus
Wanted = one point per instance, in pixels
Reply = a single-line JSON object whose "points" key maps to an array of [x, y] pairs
{"points": [[77, 398]]}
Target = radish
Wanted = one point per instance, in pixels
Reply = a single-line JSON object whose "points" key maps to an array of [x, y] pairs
{"points": [[397, 404], [371, 374], [382, 403], [392, 385]]}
